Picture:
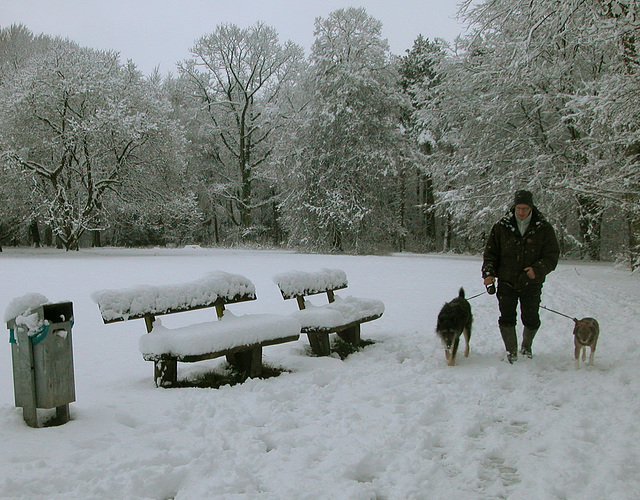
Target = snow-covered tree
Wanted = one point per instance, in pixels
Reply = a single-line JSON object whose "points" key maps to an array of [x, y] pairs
{"points": [[235, 78], [609, 107], [170, 220], [510, 98], [349, 148], [17, 45], [79, 124], [419, 76]]}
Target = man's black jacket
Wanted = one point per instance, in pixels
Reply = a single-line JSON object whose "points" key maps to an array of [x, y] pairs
{"points": [[507, 253]]}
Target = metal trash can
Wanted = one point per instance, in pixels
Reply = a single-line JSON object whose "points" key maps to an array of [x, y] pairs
{"points": [[42, 357]]}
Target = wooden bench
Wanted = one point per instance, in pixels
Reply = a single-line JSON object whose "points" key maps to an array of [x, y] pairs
{"points": [[340, 315], [239, 338]]}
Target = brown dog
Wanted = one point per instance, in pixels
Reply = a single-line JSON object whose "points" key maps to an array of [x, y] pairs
{"points": [[585, 334]]}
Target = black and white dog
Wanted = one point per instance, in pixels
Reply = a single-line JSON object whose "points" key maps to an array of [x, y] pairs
{"points": [[455, 319]]}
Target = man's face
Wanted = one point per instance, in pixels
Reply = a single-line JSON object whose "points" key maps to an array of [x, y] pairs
{"points": [[522, 211]]}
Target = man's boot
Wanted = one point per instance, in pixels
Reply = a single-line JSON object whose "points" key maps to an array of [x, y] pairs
{"points": [[510, 340], [527, 339]]}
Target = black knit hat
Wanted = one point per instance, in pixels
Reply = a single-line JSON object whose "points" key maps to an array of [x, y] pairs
{"points": [[523, 197]]}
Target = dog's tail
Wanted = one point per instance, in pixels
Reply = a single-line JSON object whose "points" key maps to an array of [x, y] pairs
{"points": [[461, 293]]}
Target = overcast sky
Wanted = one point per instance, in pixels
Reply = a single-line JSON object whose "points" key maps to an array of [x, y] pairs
{"points": [[160, 32]]}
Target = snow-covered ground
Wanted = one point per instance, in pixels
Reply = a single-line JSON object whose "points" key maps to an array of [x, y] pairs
{"points": [[391, 421]]}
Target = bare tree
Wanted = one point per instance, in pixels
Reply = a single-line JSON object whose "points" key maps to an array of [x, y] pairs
{"points": [[236, 76]]}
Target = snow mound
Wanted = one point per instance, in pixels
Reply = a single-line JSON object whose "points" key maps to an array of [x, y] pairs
{"points": [[299, 283], [139, 300]]}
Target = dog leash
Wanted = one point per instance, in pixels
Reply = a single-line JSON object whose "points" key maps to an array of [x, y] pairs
{"points": [[575, 320], [490, 289], [561, 314], [478, 295]]}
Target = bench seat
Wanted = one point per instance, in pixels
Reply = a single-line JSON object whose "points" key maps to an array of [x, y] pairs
{"points": [[213, 339], [342, 313]]}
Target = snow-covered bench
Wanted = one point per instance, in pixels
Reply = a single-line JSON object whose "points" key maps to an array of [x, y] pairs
{"points": [[239, 338], [341, 315]]}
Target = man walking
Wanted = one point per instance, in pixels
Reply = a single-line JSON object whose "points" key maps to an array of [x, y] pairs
{"points": [[521, 250]]}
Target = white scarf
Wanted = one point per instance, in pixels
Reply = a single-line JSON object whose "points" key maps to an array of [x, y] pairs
{"points": [[523, 224]]}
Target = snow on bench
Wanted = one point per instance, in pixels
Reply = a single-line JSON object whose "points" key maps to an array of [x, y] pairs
{"points": [[216, 338], [239, 338], [216, 288], [341, 315], [301, 284]]}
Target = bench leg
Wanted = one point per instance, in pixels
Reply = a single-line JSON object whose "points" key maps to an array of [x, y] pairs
{"points": [[351, 335], [30, 415], [165, 372], [319, 343], [249, 362], [62, 414]]}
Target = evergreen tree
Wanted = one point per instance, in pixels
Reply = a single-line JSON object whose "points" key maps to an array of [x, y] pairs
{"points": [[349, 148], [419, 76]]}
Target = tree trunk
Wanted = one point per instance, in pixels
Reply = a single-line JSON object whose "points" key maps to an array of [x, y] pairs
{"points": [[401, 242], [48, 236], [216, 230], [590, 221], [633, 219], [429, 213], [336, 236], [245, 171], [448, 233], [277, 230], [34, 233], [245, 199], [96, 241], [634, 240]]}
